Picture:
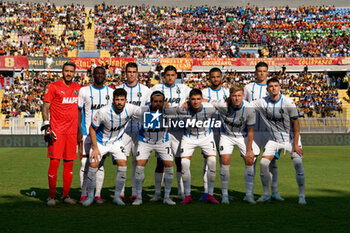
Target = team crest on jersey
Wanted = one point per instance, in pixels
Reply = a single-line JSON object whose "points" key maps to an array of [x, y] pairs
{"points": [[281, 111], [241, 119], [225, 97], [178, 91], [139, 94], [76, 92], [107, 97]]}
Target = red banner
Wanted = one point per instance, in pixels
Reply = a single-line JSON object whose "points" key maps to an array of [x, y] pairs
{"points": [[179, 63], [8, 62], [84, 63], [311, 61]]}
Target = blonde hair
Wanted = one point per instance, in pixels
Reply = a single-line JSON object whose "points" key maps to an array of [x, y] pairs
{"points": [[235, 89]]}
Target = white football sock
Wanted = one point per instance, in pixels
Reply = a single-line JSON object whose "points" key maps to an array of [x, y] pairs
{"points": [[100, 175], [180, 183], [225, 178], [133, 181], [168, 181], [211, 161], [139, 177], [205, 176], [120, 180], [91, 182], [249, 179], [300, 175], [274, 174], [186, 175], [265, 175], [84, 169], [158, 179]]}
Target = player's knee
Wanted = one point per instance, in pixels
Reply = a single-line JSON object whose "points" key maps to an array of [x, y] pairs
{"points": [[211, 168], [225, 159], [185, 169], [264, 163], [298, 163]]}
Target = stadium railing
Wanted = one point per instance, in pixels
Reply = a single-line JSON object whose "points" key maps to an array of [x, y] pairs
{"points": [[30, 126]]}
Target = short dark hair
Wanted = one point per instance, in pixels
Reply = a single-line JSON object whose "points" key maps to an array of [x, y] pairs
{"points": [[131, 65], [272, 80], [99, 67], [157, 93], [69, 63], [170, 68], [119, 92], [215, 69], [195, 91], [261, 64]]}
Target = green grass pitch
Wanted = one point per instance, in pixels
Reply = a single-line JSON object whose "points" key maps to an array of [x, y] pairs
{"points": [[327, 193]]}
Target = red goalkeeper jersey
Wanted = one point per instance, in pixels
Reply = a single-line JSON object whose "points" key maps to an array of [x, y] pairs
{"points": [[64, 106]]}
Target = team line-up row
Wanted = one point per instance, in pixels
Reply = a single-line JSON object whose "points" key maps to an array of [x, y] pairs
{"points": [[132, 119]]}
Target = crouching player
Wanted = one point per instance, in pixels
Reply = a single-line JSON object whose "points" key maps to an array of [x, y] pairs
{"points": [[238, 117], [106, 133], [155, 138], [200, 135], [281, 115]]}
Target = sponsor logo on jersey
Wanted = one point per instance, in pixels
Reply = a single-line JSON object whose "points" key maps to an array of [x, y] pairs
{"points": [[274, 119], [137, 103], [70, 100], [172, 100], [232, 124], [97, 106]]}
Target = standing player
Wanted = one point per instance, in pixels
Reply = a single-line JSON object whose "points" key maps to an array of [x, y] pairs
{"points": [[61, 128], [175, 95], [156, 139], [137, 94], [281, 115], [238, 117], [254, 91], [106, 132], [91, 99], [198, 135], [213, 93]]}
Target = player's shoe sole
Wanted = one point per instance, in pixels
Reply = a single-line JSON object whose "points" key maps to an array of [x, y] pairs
{"points": [[168, 201], [118, 201], [264, 198], [88, 201], [137, 202], [302, 200], [249, 199], [69, 201], [51, 202], [277, 197], [155, 198]]}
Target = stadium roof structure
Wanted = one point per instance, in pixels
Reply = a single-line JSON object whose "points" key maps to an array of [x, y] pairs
{"points": [[183, 3]]}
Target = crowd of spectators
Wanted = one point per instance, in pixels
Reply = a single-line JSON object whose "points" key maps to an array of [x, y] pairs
{"points": [[197, 32], [31, 29], [315, 94]]}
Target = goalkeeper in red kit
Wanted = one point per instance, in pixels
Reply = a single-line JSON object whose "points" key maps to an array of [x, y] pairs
{"points": [[60, 116]]}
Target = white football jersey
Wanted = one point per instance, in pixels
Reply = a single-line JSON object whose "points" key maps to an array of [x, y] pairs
{"points": [[110, 125], [234, 120], [194, 130], [175, 95], [277, 116], [211, 94], [254, 91], [137, 95], [90, 100]]}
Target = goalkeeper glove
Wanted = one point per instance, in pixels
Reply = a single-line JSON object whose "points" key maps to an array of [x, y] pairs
{"points": [[50, 135]]}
